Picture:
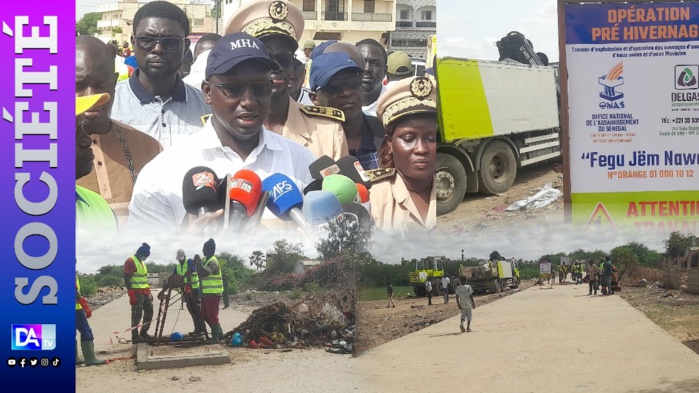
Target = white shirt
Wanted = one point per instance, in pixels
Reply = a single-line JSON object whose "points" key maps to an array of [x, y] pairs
{"points": [[445, 282], [464, 293], [371, 108], [197, 72], [156, 203]]}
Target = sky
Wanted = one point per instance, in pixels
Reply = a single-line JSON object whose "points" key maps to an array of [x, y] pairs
{"points": [[472, 31], [82, 7]]}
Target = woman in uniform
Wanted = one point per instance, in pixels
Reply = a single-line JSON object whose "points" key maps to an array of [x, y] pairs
{"points": [[403, 195]]}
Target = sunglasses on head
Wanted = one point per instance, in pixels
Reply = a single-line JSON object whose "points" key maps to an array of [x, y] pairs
{"points": [[236, 90], [168, 44], [337, 86]]}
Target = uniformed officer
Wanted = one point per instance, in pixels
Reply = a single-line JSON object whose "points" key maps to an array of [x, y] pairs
{"points": [[279, 25], [404, 194]]}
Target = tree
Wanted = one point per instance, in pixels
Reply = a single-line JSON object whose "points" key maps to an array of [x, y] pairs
{"points": [[233, 271], [283, 257], [646, 256], [625, 260], [495, 256], [87, 25], [257, 259], [676, 245], [350, 235]]}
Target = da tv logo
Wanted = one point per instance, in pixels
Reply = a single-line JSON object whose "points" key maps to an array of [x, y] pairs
{"points": [[33, 337], [610, 82], [686, 77]]}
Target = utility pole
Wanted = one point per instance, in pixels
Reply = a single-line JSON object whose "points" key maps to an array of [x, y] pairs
{"points": [[462, 255]]}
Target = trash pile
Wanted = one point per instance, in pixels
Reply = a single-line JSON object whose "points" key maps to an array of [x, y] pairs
{"points": [[546, 196], [303, 325]]}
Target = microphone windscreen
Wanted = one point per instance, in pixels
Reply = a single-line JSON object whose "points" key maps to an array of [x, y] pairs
{"points": [[284, 195], [320, 208], [246, 188], [363, 193], [200, 190], [356, 217], [315, 185], [323, 167], [352, 168], [343, 187]]}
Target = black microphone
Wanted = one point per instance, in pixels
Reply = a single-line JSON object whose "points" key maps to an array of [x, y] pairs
{"points": [[322, 167], [352, 168], [200, 191]]}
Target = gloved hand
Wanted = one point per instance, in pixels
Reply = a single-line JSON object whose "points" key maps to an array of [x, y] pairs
{"points": [[86, 307], [132, 297]]}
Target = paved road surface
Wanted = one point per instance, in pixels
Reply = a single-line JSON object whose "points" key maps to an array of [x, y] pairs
{"points": [[538, 340]]}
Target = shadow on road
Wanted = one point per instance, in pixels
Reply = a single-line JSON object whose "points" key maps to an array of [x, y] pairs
{"points": [[686, 386], [444, 335]]}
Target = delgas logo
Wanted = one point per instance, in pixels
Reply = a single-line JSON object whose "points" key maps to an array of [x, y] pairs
{"points": [[33, 337], [686, 77], [611, 82]]}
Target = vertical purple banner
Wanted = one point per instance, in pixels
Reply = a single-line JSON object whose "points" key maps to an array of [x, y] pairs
{"points": [[37, 190]]}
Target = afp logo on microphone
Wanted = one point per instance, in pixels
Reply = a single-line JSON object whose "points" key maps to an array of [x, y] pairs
{"points": [[33, 337]]}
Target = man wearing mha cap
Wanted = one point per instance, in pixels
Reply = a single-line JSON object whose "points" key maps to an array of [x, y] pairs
{"points": [[279, 25], [238, 88]]}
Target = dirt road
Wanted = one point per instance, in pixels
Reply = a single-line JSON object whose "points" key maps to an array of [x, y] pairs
{"points": [[478, 213], [537, 340]]}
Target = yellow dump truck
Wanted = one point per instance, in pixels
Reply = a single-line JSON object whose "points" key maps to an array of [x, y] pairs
{"points": [[430, 268], [493, 276], [494, 117]]}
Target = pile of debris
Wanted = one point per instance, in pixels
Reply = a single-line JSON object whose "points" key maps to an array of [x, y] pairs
{"points": [[302, 325]]}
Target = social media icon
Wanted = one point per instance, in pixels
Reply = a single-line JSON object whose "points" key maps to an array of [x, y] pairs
{"points": [[11, 362], [22, 362], [44, 362], [55, 362], [33, 362]]}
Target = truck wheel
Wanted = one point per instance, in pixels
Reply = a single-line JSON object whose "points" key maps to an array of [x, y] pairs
{"points": [[419, 290], [498, 288], [498, 168], [451, 183]]}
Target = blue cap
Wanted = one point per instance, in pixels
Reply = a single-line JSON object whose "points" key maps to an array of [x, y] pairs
{"points": [[233, 49], [325, 66], [318, 50]]}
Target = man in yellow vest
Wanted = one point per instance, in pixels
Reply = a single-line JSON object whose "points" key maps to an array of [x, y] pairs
{"points": [[188, 270], [140, 297], [211, 285], [87, 343]]}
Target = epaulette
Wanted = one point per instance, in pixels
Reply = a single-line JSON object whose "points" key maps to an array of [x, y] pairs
{"points": [[205, 118], [324, 111], [375, 175]]}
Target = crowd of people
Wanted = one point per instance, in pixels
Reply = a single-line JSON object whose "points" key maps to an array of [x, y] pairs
{"points": [[599, 276], [240, 132]]}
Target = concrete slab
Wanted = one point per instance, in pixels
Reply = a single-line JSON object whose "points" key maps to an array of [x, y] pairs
{"points": [[155, 358]]}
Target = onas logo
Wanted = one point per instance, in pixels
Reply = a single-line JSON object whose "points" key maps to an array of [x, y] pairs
{"points": [[611, 81], [687, 78]]}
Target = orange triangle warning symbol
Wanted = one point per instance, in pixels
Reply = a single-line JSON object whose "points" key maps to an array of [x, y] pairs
{"points": [[600, 220]]}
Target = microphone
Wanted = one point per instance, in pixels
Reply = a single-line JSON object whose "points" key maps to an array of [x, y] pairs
{"points": [[200, 191], [323, 167], [357, 218], [256, 217], [285, 199], [315, 185], [364, 196], [343, 187], [244, 194], [320, 210], [352, 168]]}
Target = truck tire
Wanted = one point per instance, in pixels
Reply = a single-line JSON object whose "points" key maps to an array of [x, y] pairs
{"points": [[419, 290], [451, 183], [498, 168], [498, 288]]}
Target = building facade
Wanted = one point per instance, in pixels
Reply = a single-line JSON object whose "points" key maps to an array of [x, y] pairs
{"points": [[416, 20], [117, 18], [343, 20]]}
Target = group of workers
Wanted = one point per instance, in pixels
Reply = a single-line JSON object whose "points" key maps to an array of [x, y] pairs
{"points": [[599, 276]]}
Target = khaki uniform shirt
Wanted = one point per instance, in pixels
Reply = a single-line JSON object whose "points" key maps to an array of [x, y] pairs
{"points": [[321, 135], [111, 177], [394, 211]]}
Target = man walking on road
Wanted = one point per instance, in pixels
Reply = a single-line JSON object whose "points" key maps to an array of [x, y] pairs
{"points": [[464, 299], [608, 276], [140, 298], [445, 288]]}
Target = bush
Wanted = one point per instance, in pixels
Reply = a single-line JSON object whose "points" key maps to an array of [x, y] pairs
{"points": [[87, 286], [109, 281]]}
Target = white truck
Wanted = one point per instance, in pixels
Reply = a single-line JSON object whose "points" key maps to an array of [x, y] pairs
{"points": [[494, 117], [493, 276]]}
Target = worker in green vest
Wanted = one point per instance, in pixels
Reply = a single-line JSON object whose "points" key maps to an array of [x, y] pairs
{"points": [[87, 340], [140, 297], [188, 270], [211, 285]]}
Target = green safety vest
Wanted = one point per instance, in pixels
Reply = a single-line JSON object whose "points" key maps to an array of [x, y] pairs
{"points": [[213, 283], [93, 212], [182, 271], [77, 285], [139, 280]]}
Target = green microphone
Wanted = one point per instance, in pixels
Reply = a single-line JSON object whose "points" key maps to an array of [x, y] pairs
{"points": [[343, 187]]}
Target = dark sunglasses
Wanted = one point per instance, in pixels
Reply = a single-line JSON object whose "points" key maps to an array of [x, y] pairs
{"points": [[236, 90], [284, 59], [337, 86], [168, 44]]}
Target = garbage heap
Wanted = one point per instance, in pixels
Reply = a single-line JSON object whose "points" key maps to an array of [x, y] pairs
{"points": [[302, 325]]}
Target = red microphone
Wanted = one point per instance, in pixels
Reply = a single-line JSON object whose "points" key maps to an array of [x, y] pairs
{"points": [[243, 194], [364, 196]]}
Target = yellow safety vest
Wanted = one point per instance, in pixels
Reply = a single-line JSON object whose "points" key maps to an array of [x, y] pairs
{"points": [[213, 283], [139, 280], [77, 285], [182, 271]]}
